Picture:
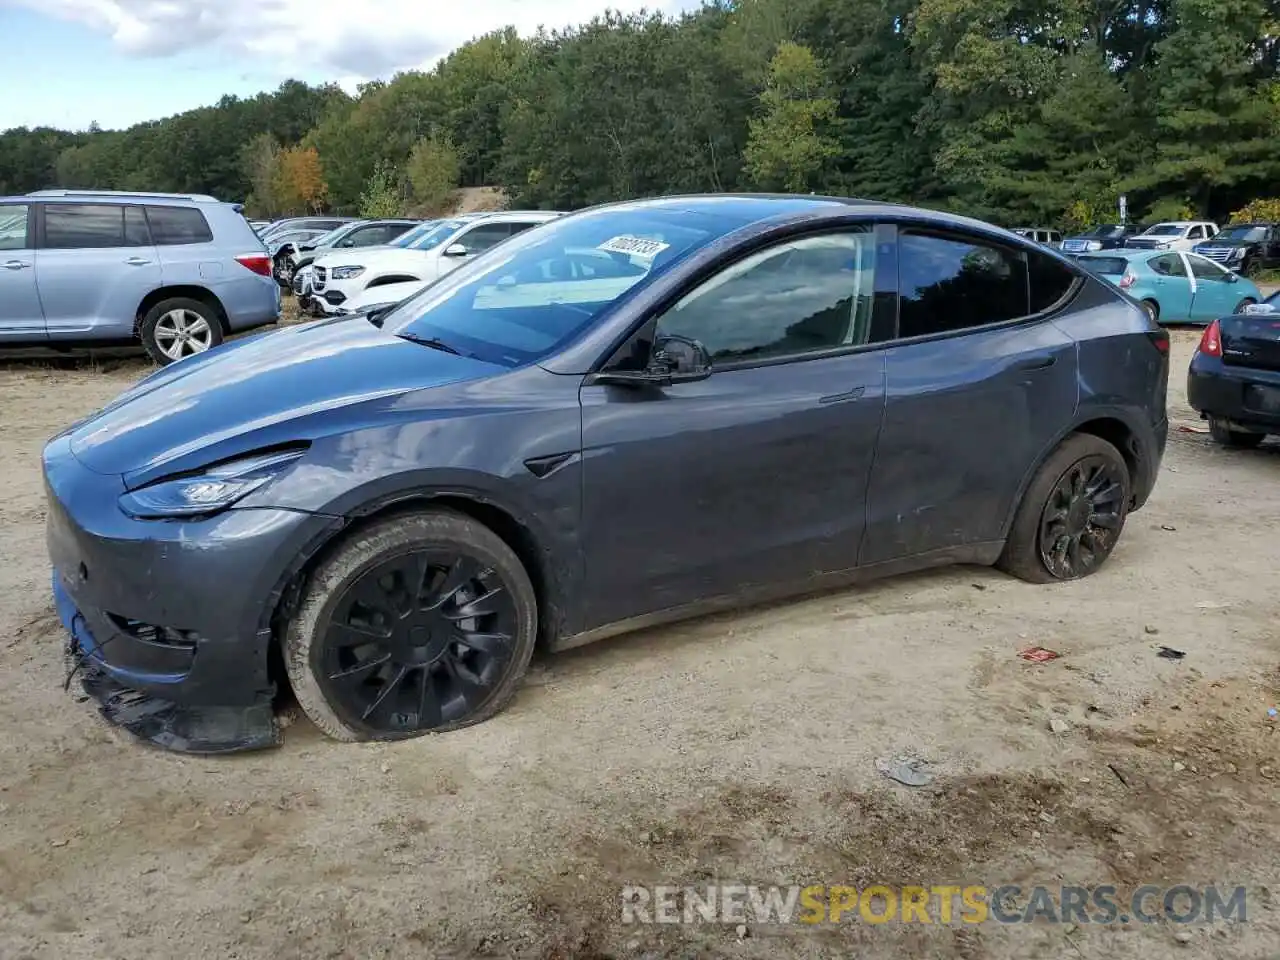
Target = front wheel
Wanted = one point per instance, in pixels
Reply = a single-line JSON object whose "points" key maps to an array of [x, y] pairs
{"points": [[1071, 515], [420, 624], [1222, 433], [178, 328]]}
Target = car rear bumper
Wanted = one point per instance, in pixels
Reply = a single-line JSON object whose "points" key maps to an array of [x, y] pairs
{"points": [[170, 621], [1217, 389]]}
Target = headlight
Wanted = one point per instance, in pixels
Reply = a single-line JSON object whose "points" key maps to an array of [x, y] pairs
{"points": [[1237, 253], [207, 492], [1093, 245], [346, 273]]}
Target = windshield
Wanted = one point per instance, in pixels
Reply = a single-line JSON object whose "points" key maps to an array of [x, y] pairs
{"points": [[1106, 230], [530, 295], [1164, 230], [407, 238], [441, 231], [1246, 233], [1108, 266]]}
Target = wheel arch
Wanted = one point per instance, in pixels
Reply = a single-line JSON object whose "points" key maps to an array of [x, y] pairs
{"points": [[514, 531], [189, 291], [1114, 426]]}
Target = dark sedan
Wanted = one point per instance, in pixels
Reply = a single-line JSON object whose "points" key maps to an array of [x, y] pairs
{"points": [[1234, 379], [734, 399], [1105, 236]]}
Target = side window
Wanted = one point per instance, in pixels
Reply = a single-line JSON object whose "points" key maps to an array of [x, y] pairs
{"points": [[794, 298], [1197, 233], [1049, 279], [174, 226], [83, 226], [484, 236], [1167, 265], [366, 236], [136, 233], [13, 227], [947, 284], [521, 226], [1203, 269]]}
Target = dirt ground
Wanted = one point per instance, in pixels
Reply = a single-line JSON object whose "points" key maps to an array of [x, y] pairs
{"points": [[739, 749]]}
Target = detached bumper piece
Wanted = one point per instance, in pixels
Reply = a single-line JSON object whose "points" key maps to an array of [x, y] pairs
{"points": [[148, 715]]}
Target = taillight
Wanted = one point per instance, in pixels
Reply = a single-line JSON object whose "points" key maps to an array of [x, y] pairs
{"points": [[1160, 340], [1211, 342], [1127, 280], [259, 263]]}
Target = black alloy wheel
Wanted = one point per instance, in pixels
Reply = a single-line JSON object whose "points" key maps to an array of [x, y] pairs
{"points": [[1082, 517], [420, 623], [418, 642]]}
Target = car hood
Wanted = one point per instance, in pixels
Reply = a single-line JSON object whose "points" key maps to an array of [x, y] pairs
{"points": [[284, 386], [1210, 244]]}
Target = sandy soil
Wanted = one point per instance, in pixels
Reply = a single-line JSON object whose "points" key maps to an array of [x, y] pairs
{"points": [[740, 748]]}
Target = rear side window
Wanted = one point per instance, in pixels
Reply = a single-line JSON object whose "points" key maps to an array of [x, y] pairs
{"points": [[949, 283], [1168, 265], [1050, 281], [173, 226], [1107, 266], [85, 226], [13, 226]]}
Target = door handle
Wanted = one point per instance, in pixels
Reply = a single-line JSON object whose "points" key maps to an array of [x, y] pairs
{"points": [[1034, 363], [16, 265], [137, 262], [853, 394]]}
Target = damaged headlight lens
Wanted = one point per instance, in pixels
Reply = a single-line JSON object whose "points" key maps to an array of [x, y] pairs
{"points": [[346, 273], [208, 491]]}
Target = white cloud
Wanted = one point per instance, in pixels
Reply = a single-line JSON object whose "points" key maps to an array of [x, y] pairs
{"points": [[334, 38]]}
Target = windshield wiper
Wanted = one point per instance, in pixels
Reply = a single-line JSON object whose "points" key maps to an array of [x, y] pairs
{"points": [[431, 342]]}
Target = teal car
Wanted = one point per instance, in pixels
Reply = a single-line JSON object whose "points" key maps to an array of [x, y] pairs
{"points": [[1174, 286]]}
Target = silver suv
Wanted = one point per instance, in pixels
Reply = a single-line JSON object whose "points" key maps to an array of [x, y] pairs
{"points": [[176, 271]]}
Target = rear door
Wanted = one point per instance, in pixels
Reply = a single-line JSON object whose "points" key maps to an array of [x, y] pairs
{"points": [[95, 264], [979, 384], [21, 318], [1216, 292], [1172, 284]]}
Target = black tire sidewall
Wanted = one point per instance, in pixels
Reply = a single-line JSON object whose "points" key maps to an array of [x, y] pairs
{"points": [[1153, 310], [147, 329], [1021, 555], [303, 645]]}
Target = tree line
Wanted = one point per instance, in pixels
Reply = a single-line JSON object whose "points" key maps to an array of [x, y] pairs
{"points": [[1037, 112]]}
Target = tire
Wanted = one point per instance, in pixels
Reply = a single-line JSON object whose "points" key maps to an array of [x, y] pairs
{"points": [[178, 328], [1153, 310], [423, 646], [283, 271], [1246, 302], [1252, 268], [1222, 433], [1027, 554]]}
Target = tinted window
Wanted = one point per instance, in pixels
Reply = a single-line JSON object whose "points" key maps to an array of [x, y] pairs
{"points": [[950, 284], [83, 226], [1050, 281], [798, 297], [171, 226], [484, 236], [1169, 265], [1108, 266], [136, 233], [13, 226], [1203, 269]]}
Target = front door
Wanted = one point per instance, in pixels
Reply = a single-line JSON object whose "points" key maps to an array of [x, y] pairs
{"points": [[980, 382], [21, 317], [1215, 290], [95, 266], [1173, 286], [757, 475]]}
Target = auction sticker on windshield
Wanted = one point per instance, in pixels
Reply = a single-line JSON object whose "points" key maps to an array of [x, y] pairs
{"points": [[638, 246]]}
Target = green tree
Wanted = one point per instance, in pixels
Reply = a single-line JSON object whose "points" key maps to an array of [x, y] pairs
{"points": [[382, 196], [434, 170], [260, 158], [790, 145]]}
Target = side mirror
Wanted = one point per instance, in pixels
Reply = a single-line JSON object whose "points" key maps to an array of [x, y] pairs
{"points": [[455, 250], [673, 360], [1233, 278]]}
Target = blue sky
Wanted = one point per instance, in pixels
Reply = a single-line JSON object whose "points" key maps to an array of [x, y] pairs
{"points": [[68, 63]]}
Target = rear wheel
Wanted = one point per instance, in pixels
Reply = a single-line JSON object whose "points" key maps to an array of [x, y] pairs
{"points": [[1153, 310], [1221, 432], [178, 328], [1072, 514], [420, 624], [1252, 268]]}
